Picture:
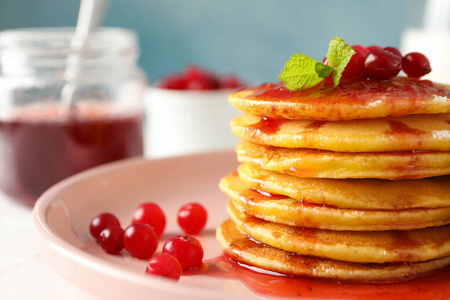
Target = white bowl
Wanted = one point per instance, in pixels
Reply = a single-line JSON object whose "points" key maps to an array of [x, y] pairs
{"points": [[184, 122]]}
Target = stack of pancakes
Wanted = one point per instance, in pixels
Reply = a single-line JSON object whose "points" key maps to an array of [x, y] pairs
{"points": [[347, 183]]}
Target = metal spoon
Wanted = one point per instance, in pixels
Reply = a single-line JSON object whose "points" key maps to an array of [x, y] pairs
{"points": [[90, 16]]}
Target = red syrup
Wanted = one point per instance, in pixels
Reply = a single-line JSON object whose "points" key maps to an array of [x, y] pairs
{"points": [[315, 125], [398, 127], [263, 195], [266, 125], [433, 286], [39, 147], [271, 126], [360, 91]]}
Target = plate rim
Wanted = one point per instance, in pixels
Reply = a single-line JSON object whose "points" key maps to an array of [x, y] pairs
{"points": [[48, 240]]}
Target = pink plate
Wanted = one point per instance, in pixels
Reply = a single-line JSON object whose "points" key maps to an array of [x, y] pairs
{"points": [[62, 216], [63, 213]]}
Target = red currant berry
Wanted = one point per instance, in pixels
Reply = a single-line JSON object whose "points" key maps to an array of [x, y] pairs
{"points": [[140, 240], [416, 65], [355, 65], [229, 82], [381, 64], [163, 83], [111, 239], [192, 218], [193, 72], [151, 214], [164, 265], [200, 84], [101, 222], [393, 50], [213, 80], [172, 82], [362, 48], [186, 249], [371, 47]]}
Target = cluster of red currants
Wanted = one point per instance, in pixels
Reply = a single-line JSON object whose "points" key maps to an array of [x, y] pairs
{"points": [[141, 238], [196, 78], [384, 63]]}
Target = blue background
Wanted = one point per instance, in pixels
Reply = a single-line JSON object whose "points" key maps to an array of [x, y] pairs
{"points": [[252, 38]]}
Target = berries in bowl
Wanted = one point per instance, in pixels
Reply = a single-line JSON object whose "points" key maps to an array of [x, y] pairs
{"points": [[188, 112], [197, 78]]}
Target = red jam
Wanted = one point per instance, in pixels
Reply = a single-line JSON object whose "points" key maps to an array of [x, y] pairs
{"points": [[432, 286], [361, 90], [263, 195], [400, 128], [38, 149], [267, 125]]}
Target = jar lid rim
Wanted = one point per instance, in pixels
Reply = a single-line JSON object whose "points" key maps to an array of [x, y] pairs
{"points": [[61, 31], [60, 37]]}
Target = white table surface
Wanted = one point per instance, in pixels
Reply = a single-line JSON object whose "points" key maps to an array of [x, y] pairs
{"points": [[23, 274]]}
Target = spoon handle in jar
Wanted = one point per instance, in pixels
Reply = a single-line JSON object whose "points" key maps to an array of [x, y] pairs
{"points": [[90, 16]]}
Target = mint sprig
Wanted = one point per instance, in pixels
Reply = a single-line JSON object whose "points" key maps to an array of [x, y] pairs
{"points": [[323, 70], [338, 56], [302, 72]]}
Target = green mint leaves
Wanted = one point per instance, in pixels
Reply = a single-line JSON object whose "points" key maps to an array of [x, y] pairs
{"points": [[323, 70], [338, 56], [301, 72]]}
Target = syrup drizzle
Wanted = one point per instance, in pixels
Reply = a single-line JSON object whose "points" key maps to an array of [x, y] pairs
{"points": [[324, 205], [266, 125], [266, 283], [263, 195], [398, 127], [258, 194], [315, 125], [402, 241], [364, 90]]}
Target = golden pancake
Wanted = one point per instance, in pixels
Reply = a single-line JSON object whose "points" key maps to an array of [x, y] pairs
{"points": [[310, 163], [350, 100], [408, 133], [352, 193], [347, 182], [285, 210], [241, 248], [353, 246]]}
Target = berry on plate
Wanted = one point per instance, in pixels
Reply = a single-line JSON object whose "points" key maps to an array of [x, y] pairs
{"points": [[192, 218], [151, 214], [102, 221], [186, 249], [111, 239], [164, 265], [140, 240]]}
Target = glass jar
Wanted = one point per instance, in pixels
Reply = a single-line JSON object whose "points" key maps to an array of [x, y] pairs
{"points": [[64, 109]]}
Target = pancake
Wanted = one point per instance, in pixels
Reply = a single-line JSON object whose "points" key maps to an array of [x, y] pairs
{"points": [[243, 249], [350, 100], [310, 163], [352, 246], [348, 182], [352, 193], [285, 210], [408, 133]]}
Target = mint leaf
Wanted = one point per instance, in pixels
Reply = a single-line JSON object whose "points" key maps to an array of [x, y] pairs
{"points": [[338, 56], [323, 70], [300, 72]]}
